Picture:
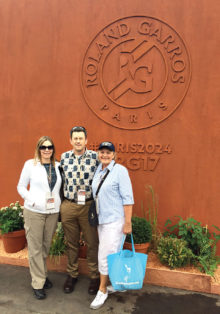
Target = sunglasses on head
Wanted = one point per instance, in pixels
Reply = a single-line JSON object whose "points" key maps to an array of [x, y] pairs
{"points": [[79, 128], [43, 147]]}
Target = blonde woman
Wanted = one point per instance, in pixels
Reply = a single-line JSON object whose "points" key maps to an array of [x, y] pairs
{"points": [[41, 209]]}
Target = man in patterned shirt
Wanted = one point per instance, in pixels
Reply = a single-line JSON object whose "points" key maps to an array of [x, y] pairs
{"points": [[79, 165]]}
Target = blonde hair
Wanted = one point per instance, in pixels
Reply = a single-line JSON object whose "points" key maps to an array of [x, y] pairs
{"points": [[37, 155]]}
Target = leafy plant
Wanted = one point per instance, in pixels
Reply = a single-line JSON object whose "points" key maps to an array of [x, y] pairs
{"points": [[151, 214], [58, 245], [141, 230], [199, 239], [174, 252], [11, 218]]}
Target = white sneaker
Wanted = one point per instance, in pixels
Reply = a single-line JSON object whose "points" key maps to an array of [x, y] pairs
{"points": [[111, 290], [99, 300]]}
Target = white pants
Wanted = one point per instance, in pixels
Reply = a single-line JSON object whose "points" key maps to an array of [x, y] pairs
{"points": [[110, 238]]}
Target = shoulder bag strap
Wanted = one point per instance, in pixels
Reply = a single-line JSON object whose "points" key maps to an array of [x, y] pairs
{"points": [[102, 181]]}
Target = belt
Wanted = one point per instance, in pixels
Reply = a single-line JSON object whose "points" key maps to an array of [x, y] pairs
{"points": [[74, 201]]}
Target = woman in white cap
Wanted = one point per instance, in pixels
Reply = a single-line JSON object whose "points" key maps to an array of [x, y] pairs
{"points": [[115, 201]]}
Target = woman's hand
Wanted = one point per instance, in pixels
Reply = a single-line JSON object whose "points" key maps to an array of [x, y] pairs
{"points": [[127, 228]]}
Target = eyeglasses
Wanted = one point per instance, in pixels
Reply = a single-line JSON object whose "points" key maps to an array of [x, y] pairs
{"points": [[43, 147]]}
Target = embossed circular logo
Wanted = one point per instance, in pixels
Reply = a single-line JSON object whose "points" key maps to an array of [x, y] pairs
{"points": [[135, 72]]}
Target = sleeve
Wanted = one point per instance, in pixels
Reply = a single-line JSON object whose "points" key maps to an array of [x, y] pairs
{"points": [[125, 187], [24, 181]]}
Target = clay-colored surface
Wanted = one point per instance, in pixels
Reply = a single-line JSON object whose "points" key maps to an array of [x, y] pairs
{"points": [[155, 95]]}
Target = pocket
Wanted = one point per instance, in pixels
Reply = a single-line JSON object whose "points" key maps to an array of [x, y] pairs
{"points": [[35, 205], [27, 230], [27, 223], [114, 186], [39, 206]]}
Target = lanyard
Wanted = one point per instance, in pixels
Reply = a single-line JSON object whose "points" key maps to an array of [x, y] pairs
{"points": [[49, 177]]}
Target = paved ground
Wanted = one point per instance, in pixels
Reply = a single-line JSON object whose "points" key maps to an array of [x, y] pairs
{"points": [[16, 297]]}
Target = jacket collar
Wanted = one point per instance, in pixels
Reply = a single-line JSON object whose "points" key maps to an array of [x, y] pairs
{"points": [[109, 167]]}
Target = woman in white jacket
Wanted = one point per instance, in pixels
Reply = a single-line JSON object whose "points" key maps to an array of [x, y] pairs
{"points": [[41, 209]]}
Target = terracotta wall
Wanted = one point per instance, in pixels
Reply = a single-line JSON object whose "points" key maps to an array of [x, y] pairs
{"points": [[144, 74]]}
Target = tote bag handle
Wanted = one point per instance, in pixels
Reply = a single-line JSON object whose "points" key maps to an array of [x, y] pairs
{"points": [[122, 243]]}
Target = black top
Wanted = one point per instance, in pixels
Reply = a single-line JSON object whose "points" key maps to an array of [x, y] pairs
{"points": [[53, 175]]}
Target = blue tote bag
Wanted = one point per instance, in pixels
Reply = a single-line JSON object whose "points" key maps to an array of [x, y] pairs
{"points": [[127, 268]]}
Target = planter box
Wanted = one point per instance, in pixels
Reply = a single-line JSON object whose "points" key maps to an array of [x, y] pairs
{"points": [[178, 279], [154, 276], [59, 264]]}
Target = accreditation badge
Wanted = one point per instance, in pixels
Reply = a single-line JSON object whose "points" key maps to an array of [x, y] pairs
{"points": [[50, 201], [81, 197]]}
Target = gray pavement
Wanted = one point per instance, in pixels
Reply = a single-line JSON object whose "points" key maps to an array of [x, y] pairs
{"points": [[16, 297]]}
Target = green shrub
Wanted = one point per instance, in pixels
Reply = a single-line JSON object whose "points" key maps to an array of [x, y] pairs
{"points": [[199, 239], [173, 252], [141, 230], [207, 261]]}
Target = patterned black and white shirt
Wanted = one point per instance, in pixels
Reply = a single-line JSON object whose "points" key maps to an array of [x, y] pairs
{"points": [[78, 172]]}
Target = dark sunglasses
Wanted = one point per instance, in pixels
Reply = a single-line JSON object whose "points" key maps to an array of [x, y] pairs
{"points": [[43, 147]]}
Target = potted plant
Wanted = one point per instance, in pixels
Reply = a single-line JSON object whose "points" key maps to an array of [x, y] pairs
{"points": [[142, 234], [12, 227]]}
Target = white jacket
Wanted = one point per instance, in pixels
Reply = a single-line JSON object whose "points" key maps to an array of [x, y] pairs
{"points": [[35, 175]]}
